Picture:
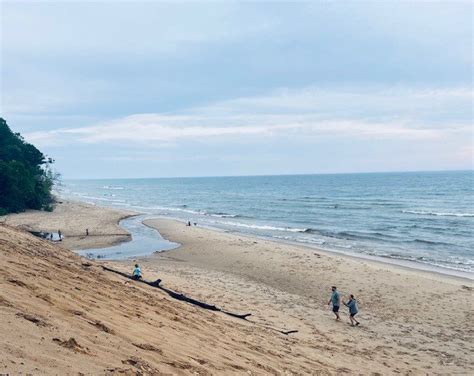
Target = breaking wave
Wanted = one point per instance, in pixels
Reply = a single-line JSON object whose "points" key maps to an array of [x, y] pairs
{"points": [[423, 212]]}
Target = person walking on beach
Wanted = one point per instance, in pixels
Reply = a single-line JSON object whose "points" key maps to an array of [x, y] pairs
{"points": [[353, 310], [59, 235], [336, 301], [137, 272]]}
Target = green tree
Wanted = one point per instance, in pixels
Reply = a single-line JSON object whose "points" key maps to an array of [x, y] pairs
{"points": [[26, 178]]}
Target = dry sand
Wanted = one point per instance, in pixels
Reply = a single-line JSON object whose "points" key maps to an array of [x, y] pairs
{"points": [[412, 322], [72, 219]]}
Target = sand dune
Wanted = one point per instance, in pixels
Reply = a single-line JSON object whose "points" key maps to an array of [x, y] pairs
{"points": [[63, 315]]}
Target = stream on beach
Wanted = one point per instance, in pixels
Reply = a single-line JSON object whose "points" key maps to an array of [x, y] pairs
{"points": [[145, 241]]}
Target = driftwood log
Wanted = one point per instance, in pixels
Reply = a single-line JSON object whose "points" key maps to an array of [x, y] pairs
{"points": [[195, 302], [178, 296]]}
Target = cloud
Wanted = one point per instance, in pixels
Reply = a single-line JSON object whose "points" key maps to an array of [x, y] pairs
{"points": [[131, 131], [363, 102], [105, 58], [372, 113]]}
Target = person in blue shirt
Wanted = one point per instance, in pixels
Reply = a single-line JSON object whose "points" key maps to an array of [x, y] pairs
{"points": [[336, 301], [353, 310], [137, 272]]}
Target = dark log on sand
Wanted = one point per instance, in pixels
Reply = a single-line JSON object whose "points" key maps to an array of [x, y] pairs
{"points": [[178, 296], [195, 302]]}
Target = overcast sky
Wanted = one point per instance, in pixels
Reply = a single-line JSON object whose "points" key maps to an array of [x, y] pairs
{"points": [[151, 89]]}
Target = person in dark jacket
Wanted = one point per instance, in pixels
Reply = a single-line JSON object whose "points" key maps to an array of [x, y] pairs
{"points": [[353, 310]]}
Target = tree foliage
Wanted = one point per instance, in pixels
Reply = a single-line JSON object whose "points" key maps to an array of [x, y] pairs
{"points": [[26, 178]]}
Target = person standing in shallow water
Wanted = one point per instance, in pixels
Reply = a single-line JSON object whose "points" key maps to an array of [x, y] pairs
{"points": [[336, 301], [353, 310]]}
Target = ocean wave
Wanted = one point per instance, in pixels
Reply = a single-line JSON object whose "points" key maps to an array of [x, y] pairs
{"points": [[263, 227], [184, 209], [224, 215], [300, 240], [458, 265], [429, 242], [352, 235], [164, 208], [302, 199], [112, 187], [100, 198], [438, 214]]}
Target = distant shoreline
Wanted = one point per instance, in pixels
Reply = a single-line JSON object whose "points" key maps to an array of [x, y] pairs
{"points": [[419, 220], [105, 231], [402, 264]]}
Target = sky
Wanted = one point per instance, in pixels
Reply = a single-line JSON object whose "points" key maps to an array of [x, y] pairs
{"points": [[118, 89]]}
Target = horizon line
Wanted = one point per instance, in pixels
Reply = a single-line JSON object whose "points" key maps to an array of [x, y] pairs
{"points": [[273, 175]]}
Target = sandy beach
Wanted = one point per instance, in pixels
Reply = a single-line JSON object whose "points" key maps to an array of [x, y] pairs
{"points": [[412, 322], [72, 218], [410, 319]]}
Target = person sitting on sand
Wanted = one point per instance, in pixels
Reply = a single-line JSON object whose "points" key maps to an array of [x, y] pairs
{"points": [[353, 309], [336, 301], [137, 272]]}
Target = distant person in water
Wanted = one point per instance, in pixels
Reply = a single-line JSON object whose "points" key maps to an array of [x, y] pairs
{"points": [[353, 310], [336, 301], [137, 272]]}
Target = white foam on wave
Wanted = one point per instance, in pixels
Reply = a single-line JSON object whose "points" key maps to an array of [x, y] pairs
{"points": [[438, 214], [223, 215], [184, 210], [163, 208], [101, 198], [263, 227], [112, 187]]}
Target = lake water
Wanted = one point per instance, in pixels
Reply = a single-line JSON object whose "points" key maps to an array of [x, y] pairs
{"points": [[424, 217]]}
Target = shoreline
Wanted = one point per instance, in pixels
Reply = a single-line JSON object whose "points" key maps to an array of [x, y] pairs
{"points": [[387, 261], [113, 216]]}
